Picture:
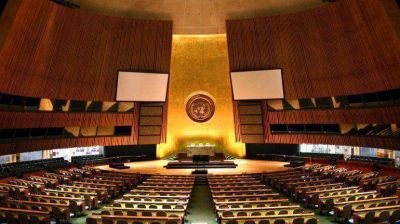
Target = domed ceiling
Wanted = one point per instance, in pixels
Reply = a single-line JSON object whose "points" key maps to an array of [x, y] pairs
{"points": [[196, 16]]}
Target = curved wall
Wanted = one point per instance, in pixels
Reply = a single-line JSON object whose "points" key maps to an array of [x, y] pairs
{"points": [[50, 51], [342, 48], [195, 17], [57, 52]]}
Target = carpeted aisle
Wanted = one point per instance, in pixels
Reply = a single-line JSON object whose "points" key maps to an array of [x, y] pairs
{"points": [[201, 208]]}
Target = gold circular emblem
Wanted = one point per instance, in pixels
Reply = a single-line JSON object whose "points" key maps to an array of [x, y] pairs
{"points": [[200, 108]]}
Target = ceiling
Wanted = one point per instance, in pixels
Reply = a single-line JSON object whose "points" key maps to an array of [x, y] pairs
{"points": [[196, 16]]}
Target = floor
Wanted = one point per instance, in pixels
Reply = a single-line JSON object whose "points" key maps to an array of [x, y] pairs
{"points": [[244, 166], [201, 208]]}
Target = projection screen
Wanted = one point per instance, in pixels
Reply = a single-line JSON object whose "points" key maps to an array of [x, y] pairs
{"points": [[142, 87], [257, 85]]}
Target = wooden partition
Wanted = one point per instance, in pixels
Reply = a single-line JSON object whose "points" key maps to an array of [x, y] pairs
{"points": [[61, 53], [343, 48], [55, 52], [348, 47]]}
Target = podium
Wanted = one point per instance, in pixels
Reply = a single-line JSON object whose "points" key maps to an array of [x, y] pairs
{"points": [[201, 158]]}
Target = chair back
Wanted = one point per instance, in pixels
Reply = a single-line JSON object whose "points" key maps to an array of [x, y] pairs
{"points": [[369, 218], [298, 221], [395, 217]]}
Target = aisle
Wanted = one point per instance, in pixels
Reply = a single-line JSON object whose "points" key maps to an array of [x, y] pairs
{"points": [[201, 208]]}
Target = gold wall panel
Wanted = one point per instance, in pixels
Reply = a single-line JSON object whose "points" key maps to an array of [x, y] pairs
{"points": [[199, 64]]}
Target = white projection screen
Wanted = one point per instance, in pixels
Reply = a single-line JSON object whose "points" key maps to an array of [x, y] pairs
{"points": [[257, 85], [142, 87]]}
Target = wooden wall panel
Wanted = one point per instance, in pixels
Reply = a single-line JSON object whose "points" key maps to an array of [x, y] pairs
{"points": [[136, 118], [236, 120], [34, 145], [151, 128], [163, 134], [7, 18], [343, 48], [393, 10], [60, 53], [11, 120], [56, 52], [251, 123], [383, 115], [378, 142]]}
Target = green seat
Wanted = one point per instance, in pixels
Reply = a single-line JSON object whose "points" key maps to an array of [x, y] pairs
{"points": [[369, 218], [395, 217], [298, 221]]}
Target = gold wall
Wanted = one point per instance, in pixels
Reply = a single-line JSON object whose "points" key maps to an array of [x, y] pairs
{"points": [[199, 63]]}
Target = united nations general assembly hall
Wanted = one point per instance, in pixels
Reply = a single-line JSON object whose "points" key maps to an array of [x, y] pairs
{"points": [[199, 111]]}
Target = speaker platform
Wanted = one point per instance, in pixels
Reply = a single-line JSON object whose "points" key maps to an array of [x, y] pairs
{"points": [[200, 165], [120, 166]]}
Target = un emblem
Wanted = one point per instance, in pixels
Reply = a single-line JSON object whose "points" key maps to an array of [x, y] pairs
{"points": [[200, 108]]}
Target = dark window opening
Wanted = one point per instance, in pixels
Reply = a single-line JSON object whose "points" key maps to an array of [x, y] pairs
{"points": [[343, 101], [355, 99], [325, 102], [306, 104], [32, 104], [371, 99], [6, 133], [278, 128], [365, 130], [287, 106], [59, 104], [77, 106], [95, 106], [5, 99], [313, 128], [296, 128], [331, 128], [22, 133], [123, 130], [396, 96], [3, 4], [67, 4], [384, 96], [54, 132], [38, 132]]}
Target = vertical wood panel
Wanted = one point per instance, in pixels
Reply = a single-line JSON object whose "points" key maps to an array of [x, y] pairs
{"points": [[12, 120], [148, 131], [343, 48], [53, 51], [378, 142], [34, 145], [385, 115]]}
